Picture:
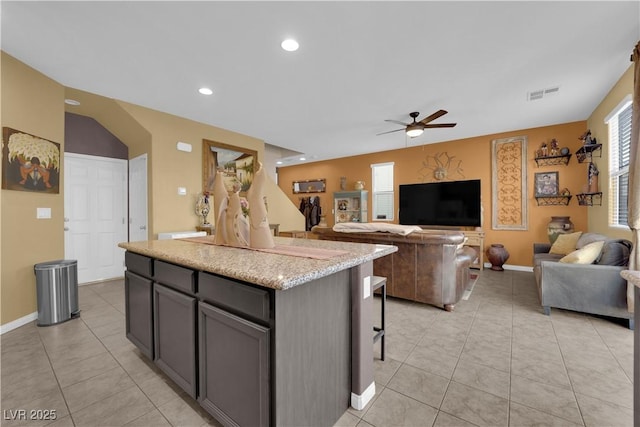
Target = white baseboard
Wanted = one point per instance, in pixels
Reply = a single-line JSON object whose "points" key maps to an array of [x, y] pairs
{"points": [[360, 401], [511, 267], [18, 322]]}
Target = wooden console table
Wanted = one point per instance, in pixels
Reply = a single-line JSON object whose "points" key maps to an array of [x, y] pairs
{"points": [[475, 240]]}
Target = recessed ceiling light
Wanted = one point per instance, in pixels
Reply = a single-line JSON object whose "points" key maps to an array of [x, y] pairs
{"points": [[279, 162], [303, 158], [205, 91], [290, 45], [71, 102]]}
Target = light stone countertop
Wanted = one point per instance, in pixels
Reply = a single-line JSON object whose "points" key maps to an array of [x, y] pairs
{"points": [[632, 276], [274, 271]]}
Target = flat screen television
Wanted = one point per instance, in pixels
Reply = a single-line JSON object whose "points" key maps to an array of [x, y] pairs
{"points": [[452, 203]]}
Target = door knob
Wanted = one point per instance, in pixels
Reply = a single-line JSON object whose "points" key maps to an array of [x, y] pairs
{"points": [[143, 227], [66, 229]]}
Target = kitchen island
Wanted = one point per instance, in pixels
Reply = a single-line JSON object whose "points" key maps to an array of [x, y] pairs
{"points": [[257, 338]]}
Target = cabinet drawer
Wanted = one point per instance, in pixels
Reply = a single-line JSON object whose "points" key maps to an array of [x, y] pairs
{"points": [[234, 295], [175, 276], [140, 264]]}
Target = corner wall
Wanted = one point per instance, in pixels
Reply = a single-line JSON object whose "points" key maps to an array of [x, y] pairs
{"points": [[599, 215], [33, 103]]}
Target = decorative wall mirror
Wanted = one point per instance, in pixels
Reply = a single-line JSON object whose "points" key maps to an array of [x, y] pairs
{"points": [[236, 163], [310, 186]]}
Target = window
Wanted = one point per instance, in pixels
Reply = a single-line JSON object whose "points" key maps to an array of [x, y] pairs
{"points": [[382, 178], [619, 122]]}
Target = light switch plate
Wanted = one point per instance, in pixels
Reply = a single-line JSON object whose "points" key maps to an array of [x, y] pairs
{"points": [[182, 191], [43, 213]]}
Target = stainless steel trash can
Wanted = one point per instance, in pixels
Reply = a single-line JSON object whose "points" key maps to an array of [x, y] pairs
{"points": [[57, 291]]}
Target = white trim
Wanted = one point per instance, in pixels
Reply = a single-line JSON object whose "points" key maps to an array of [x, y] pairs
{"points": [[511, 267], [360, 401], [18, 322], [622, 105]]}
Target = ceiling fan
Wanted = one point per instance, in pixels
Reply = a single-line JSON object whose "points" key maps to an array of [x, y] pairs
{"points": [[416, 128]]}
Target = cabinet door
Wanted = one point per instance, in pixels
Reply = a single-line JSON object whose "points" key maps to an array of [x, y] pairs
{"points": [[234, 368], [139, 321], [174, 320]]}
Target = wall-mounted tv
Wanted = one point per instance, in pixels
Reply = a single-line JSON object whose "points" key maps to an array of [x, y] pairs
{"points": [[452, 203]]}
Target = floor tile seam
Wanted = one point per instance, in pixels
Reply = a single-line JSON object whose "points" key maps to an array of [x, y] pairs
{"points": [[613, 354], [455, 416], [103, 397], [608, 402], [549, 413], [416, 400], [55, 375]]}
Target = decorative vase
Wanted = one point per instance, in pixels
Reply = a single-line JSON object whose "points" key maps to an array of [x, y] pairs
{"points": [[260, 236], [343, 183], [559, 225], [220, 203], [497, 256], [359, 185]]}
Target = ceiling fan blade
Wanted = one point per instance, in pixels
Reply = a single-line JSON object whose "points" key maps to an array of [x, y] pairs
{"points": [[391, 131], [434, 116], [440, 125], [397, 122]]}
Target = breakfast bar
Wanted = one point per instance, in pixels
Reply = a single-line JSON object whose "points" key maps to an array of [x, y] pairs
{"points": [[258, 337]]}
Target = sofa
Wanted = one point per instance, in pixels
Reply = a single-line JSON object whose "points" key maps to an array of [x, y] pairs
{"points": [[594, 287], [430, 266]]}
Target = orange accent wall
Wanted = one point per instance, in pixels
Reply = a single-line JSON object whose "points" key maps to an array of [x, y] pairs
{"points": [[474, 155]]}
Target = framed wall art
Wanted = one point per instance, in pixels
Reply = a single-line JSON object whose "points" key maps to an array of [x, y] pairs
{"points": [[29, 163], [309, 186], [509, 183], [546, 184], [236, 163]]}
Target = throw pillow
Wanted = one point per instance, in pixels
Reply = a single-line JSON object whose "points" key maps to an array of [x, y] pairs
{"points": [[565, 243], [585, 255]]}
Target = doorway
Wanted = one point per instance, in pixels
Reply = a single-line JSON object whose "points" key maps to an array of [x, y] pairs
{"points": [[95, 209]]}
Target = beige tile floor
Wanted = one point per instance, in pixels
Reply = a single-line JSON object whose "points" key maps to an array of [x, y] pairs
{"points": [[495, 361]]}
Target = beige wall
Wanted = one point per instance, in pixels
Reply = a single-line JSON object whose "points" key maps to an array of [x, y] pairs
{"points": [[599, 215], [33, 103], [475, 157], [173, 169]]}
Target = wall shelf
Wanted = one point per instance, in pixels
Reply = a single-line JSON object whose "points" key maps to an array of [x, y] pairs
{"points": [[553, 160], [588, 151], [590, 199], [553, 200]]}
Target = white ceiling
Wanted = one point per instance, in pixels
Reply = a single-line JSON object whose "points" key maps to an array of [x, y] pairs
{"points": [[359, 63]]}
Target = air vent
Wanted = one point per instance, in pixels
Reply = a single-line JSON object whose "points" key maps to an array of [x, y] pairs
{"points": [[543, 93]]}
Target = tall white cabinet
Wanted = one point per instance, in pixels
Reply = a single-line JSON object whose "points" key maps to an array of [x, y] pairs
{"points": [[350, 206]]}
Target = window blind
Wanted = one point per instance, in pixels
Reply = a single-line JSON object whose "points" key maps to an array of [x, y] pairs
{"points": [[383, 195]]}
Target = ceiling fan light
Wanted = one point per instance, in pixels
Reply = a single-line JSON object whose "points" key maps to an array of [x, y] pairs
{"points": [[412, 132]]}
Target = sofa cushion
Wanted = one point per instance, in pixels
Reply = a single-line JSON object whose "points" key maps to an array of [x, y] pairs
{"points": [[585, 255], [587, 238], [615, 252], [565, 243]]}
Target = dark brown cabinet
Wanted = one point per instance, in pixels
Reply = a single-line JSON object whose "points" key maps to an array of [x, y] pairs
{"points": [[139, 320], [174, 321], [234, 367], [138, 295]]}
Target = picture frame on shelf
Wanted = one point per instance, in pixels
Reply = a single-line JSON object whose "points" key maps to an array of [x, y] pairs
{"points": [[546, 184]]}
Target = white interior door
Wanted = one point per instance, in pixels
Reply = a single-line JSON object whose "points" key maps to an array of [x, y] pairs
{"points": [[138, 229], [95, 207]]}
